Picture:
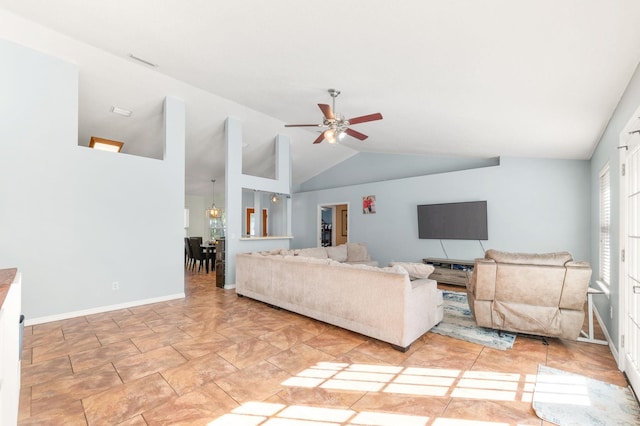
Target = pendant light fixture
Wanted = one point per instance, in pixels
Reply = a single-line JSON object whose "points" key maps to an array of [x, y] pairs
{"points": [[214, 212]]}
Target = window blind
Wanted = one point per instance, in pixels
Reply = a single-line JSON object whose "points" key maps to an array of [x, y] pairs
{"points": [[605, 226]]}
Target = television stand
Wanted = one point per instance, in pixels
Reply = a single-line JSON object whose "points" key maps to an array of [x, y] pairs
{"points": [[450, 271]]}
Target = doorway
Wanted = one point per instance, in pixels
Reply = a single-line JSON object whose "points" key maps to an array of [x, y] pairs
{"points": [[629, 274], [333, 224], [251, 222]]}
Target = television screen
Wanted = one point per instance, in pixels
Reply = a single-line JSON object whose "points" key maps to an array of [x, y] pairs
{"points": [[453, 221]]}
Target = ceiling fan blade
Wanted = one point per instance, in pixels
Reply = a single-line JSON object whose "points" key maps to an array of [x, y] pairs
{"points": [[356, 134], [365, 118], [302, 125], [326, 111], [320, 138]]}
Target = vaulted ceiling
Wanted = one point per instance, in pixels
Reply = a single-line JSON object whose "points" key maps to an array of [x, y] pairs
{"points": [[474, 78]]}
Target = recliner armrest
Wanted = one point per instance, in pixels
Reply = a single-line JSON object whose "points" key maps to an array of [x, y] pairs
{"points": [[576, 284], [483, 280]]}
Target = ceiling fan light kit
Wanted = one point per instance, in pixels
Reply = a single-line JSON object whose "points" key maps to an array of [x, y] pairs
{"points": [[337, 125], [334, 135]]}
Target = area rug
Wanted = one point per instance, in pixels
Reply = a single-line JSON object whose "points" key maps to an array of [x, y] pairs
{"points": [[568, 399], [460, 324]]}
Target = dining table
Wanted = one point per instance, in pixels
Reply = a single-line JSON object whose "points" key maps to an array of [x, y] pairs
{"points": [[209, 249]]}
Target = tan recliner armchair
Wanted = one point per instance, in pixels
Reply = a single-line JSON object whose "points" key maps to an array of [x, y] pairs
{"points": [[540, 294]]}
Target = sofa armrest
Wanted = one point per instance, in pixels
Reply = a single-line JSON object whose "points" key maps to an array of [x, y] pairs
{"points": [[423, 308], [483, 279], [576, 284]]}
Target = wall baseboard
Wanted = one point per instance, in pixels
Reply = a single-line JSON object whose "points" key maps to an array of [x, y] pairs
{"points": [[101, 309], [607, 336]]}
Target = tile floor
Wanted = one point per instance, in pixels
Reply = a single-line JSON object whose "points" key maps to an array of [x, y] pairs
{"points": [[216, 359]]}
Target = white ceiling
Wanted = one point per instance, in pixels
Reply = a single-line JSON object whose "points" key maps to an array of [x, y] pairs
{"points": [[480, 78]]}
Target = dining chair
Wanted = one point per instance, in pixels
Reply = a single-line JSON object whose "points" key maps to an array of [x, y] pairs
{"points": [[210, 253], [197, 252], [187, 252]]}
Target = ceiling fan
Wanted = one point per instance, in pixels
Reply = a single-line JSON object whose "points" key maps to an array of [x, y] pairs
{"points": [[337, 125]]}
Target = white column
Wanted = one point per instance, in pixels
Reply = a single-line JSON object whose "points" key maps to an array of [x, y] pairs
{"points": [[233, 194]]}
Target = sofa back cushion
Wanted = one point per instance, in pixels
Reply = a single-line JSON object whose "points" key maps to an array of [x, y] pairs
{"points": [[317, 252], [536, 285], [337, 253], [546, 259], [357, 252], [308, 259]]}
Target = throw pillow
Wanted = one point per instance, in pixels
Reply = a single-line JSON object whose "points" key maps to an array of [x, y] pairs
{"points": [[357, 252], [338, 253], [415, 270]]}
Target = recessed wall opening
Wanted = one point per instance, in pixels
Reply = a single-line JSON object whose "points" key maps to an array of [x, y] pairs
{"points": [[117, 117], [273, 219]]}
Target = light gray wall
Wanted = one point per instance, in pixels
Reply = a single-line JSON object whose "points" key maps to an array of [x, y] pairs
{"points": [[198, 222], [73, 219], [375, 167], [607, 152], [534, 205]]}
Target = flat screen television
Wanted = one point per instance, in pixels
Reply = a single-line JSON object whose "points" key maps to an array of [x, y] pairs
{"points": [[453, 221]]}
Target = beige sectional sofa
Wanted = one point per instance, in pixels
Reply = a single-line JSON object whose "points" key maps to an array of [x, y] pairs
{"points": [[540, 294], [383, 303]]}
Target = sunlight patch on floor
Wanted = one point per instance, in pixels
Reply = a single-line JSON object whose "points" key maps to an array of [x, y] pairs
{"points": [[268, 414], [385, 419], [461, 422], [416, 381], [562, 389], [384, 379]]}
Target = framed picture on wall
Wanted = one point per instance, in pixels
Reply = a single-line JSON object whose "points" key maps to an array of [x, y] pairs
{"points": [[369, 204]]}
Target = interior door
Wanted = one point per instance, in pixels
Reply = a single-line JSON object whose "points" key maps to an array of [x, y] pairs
{"points": [[630, 270], [264, 223]]}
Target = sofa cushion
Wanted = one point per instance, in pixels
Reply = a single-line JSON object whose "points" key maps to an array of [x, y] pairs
{"points": [[317, 252], [545, 259], [357, 252], [338, 253], [415, 270]]}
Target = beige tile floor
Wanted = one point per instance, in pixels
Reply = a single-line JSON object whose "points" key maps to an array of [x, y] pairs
{"points": [[216, 359]]}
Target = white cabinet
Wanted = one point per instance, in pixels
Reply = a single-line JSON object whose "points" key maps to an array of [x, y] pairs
{"points": [[10, 352]]}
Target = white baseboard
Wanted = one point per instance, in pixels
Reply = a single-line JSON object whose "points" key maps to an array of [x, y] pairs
{"points": [[607, 336], [101, 309]]}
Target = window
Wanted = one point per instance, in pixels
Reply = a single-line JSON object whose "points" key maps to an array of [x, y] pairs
{"points": [[605, 227]]}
